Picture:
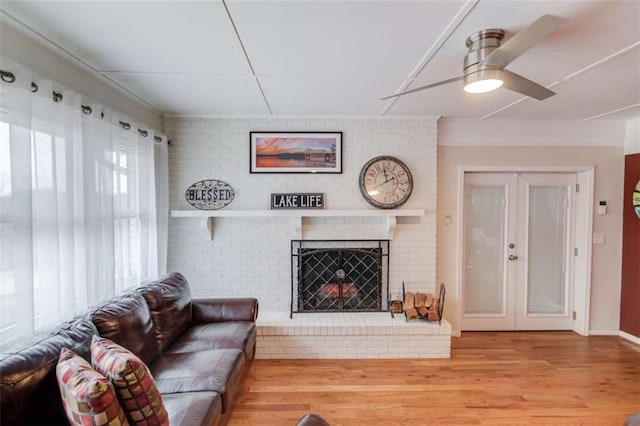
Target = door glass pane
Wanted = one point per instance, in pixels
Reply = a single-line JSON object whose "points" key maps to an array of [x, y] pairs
{"points": [[546, 278], [484, 220]]}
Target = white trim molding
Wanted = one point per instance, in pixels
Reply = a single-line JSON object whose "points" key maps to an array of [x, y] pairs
{"points": [[630, 337], [632, 140], [511, 132], [582, 288], [604, 333]]}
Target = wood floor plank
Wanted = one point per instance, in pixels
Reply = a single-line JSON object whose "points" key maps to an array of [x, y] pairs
{"points": [[550, 378]]}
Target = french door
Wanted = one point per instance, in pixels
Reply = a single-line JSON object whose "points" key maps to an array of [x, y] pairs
{"points": [[517, 255]]}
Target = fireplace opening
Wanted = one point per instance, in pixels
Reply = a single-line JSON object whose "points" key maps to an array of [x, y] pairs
{"points": [[339, 275]]}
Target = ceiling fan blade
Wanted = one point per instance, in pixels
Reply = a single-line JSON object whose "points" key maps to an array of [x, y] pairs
{"points": [[523, 41], [518, 83], [428, 86]]}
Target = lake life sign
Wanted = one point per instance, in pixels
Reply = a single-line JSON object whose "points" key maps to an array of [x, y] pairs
{"points": [[210, 194], [297, 201]]}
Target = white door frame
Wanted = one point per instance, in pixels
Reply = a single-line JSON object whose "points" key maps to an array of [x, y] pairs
{"points": [[583, 232]]}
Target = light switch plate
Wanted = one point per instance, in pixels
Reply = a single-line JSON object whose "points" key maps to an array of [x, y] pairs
{"points": [[598, 238]]}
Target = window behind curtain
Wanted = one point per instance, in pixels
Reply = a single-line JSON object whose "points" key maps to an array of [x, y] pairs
{"points": [[134, 211], [77, 207], [7, 272]]}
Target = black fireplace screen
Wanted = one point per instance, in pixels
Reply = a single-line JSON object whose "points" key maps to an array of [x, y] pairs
{"points": [[339, 275]]}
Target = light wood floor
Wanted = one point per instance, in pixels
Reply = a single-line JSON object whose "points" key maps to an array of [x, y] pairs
{"points": [[492, 378]]}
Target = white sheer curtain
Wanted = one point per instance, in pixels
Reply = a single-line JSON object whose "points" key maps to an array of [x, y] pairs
{"points": [[78, 206]]}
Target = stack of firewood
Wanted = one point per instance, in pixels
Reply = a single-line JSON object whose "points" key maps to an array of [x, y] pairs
{"points": [[421, 305]]}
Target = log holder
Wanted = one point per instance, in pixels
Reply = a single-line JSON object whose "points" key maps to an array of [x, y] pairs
{"points": [[441, 294]]}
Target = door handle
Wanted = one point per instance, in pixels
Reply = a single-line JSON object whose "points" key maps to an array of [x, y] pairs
{"points": [[513, 257]]}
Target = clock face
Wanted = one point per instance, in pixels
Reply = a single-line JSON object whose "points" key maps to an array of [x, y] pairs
{"points": [[385, 182]]}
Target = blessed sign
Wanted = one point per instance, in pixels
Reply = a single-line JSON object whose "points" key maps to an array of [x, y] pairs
{"points": [[210, 194], [297, 201]]}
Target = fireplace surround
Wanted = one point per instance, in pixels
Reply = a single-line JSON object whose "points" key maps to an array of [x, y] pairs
{"points": [[339, 276]]}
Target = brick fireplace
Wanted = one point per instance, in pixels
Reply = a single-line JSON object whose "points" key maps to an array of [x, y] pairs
{"points": [[339, 293], [251, 256], [340, 335]]}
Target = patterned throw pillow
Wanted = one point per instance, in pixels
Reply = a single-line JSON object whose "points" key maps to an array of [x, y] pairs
{"points": [[88, 397], [132, 380]]}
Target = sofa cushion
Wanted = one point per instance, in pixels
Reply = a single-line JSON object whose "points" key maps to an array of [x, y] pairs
{"points": [[87, 396], [126, 320], [193, 408], [217, 309], [220, 335], [211, 370], [169, 299], [132, 380], [28, 385]]}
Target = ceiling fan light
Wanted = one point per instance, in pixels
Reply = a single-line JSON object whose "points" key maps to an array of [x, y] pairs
{"points": [[483, 81], [483, 86]]}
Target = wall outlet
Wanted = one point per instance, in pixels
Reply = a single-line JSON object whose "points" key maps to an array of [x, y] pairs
{"points": [[598, 238]]}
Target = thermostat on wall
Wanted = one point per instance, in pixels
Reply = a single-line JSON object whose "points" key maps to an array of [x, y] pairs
{"points": [[602, 208]]}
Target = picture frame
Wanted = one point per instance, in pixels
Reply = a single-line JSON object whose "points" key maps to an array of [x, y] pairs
{"points": [[295, 152]]}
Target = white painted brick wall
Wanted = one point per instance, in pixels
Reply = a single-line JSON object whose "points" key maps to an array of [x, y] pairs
{"points": [[382, 338], [251, 256]]}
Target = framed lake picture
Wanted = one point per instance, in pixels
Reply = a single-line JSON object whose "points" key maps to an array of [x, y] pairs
{"points": [[296, 152]]}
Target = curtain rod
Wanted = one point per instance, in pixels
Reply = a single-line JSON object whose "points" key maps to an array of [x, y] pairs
{"points": [[9, 77]]}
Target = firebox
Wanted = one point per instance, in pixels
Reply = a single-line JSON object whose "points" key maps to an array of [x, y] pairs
{"points": [[339, 275]]}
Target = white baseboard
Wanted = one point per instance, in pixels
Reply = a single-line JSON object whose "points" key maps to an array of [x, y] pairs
{"points": [[604, 333], [626, 336], [630, 337]]}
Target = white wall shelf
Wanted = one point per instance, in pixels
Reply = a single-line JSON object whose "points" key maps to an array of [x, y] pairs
{"points": [[298, 215]]}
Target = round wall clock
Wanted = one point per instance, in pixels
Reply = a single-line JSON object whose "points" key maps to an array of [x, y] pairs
{"points": [[636, 199], [385, 182]]}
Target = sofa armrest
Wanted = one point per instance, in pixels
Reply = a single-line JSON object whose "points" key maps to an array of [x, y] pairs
{"points": [[207, 310]]}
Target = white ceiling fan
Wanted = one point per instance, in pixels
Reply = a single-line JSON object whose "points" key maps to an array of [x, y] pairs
{"points": [[485, 62]]}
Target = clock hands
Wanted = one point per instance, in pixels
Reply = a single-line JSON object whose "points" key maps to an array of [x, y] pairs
{"points": [[385, 182]]}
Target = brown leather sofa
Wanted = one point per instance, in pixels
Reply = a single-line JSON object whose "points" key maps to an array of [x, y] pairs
{"points": [[198, 351]]}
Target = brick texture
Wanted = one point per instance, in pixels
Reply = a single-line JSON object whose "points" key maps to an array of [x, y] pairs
{"points": [[348, 335], [251, 256]]}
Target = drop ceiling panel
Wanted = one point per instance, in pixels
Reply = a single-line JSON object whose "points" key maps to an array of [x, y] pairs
{"points": [[157, 36], [586, 38], [363, 39], [612, 86], [325, 95], [339, 57], [196, 94], [510, 16], [625, 114]]}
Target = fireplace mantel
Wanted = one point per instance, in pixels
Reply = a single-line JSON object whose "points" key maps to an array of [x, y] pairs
{"points": [[297, 215]]}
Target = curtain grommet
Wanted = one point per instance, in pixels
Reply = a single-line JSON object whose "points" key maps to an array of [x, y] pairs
{"points": [[7, 77], [57, 96], [86, 109]]}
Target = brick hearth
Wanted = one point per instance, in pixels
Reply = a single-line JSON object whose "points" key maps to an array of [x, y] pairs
{"points": [[350, 335]]}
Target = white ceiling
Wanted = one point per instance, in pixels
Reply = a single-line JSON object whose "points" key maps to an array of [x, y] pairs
{"points": [[339, 57]]}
